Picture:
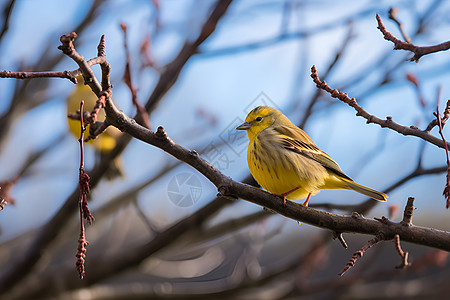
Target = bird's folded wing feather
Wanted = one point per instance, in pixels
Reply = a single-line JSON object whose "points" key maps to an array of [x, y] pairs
{"points": [[311, 151]]}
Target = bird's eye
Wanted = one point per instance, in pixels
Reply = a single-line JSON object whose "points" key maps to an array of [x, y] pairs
{"points": [[258, 119]]}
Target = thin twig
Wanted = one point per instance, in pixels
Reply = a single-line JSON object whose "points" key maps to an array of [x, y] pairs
{"points": [[446, 192], [389, 122], [26, 75], [83, 176], [96, 129], [338, 235], [104, 64], [408, 212], [71, 75], [190, 48], [82, 203], [404, 255], [393, 16], [99, 104], [141, 115], [359, 254], [339, 54], [418, 51]]}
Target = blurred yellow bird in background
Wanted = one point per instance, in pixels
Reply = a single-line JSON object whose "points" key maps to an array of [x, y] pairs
{"points": [[284, 160], [106, 141]]}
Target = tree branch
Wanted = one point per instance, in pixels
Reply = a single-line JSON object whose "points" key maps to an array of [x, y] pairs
{"points": [[418, 51], [408, 213], [360, 253], [393, 16], [361, 112], [404, 255], [71, 75], [25, 75]]}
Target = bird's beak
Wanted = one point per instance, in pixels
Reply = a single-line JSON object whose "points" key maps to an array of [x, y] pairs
{"points": [[244, 126]]}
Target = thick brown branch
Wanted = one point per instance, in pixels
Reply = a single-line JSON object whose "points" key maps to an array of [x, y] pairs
{"points": [[361, 112], [418, 51]]}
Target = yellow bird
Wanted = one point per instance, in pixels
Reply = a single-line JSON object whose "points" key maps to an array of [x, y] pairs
{"points": [[284, 160], [106, 141]]}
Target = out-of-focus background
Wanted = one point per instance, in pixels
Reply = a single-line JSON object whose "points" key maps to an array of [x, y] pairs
{"points": [[159, 230]]}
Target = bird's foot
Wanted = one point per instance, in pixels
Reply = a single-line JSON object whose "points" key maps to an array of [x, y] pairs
{"points": [[287, 193], [307, 200]]}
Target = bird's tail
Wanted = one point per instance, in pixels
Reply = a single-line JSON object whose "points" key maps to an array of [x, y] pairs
{"points": [[365, 190]]}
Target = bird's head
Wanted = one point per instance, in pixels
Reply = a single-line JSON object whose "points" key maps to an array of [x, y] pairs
{"points": [[259, 119]]}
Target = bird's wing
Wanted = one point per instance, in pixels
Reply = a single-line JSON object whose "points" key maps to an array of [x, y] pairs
{"points": [[309, 150]]}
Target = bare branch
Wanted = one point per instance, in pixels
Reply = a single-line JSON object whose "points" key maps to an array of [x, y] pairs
{"points": [[418, 51], [101, 102], [71, 75], [25, 75], [173, 69], [104, 64], [403, 255], [83, 183], [330, 67], [359, 253], [446, 192], [141, 115], [408, 213], [338, 235], [68, 49], [393, 16], [361, 112]]}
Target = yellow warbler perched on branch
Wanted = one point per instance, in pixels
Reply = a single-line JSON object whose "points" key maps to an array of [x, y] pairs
{"points": [[284, 160], [106, 141]]}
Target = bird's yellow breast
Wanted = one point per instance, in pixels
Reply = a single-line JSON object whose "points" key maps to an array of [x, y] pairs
{"points": [[279, 171]]}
